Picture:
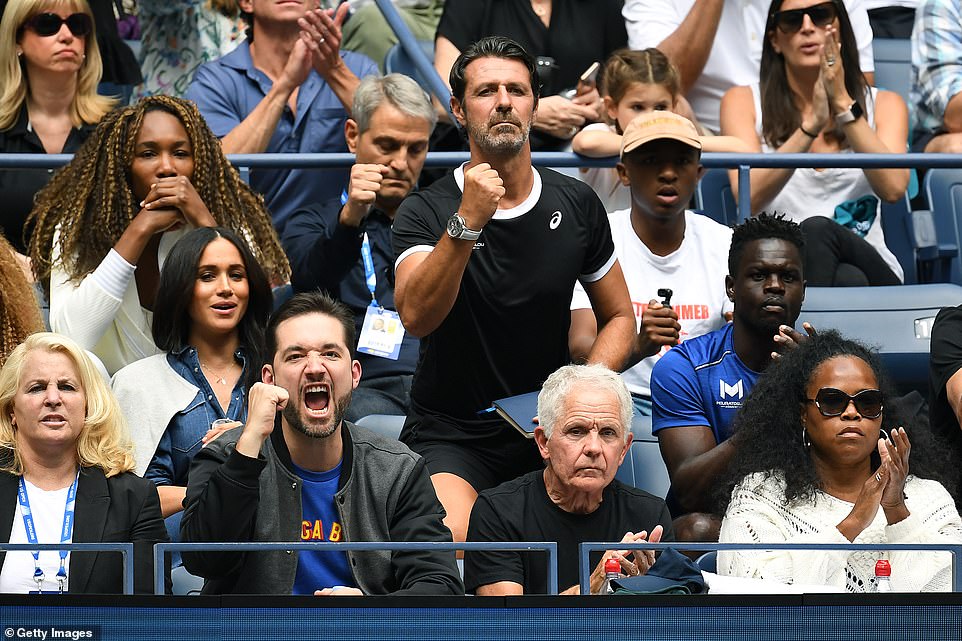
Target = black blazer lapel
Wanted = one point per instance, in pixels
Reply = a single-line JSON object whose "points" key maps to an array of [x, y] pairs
{"points": [[90, 518], [8, 507]]}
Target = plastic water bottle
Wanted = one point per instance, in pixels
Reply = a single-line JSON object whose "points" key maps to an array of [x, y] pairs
{"points": [[612, 572], [883, 573]]}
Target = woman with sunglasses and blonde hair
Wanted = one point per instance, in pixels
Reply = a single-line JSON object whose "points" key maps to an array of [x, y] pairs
{"points": [[821, 456], [812, 97], [49, 70]]}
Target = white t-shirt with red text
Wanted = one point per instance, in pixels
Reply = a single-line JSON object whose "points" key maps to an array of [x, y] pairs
{"points": [[695, 273]]}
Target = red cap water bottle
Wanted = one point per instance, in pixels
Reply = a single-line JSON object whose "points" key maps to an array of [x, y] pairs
{"points": [[883, 573], [612, 572]]}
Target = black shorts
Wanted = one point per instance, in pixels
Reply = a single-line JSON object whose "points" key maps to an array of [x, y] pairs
{"points": [[485, 459]]}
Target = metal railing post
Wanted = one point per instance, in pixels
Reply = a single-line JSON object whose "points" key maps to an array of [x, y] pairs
{"points": [[550, 547], [584, 567], [126, 551], [413, 50]]}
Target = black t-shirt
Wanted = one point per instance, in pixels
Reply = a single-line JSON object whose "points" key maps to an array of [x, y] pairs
{"points": [[580, 32], [19, 186], [945, 359], [520, 510], [508, 328]]}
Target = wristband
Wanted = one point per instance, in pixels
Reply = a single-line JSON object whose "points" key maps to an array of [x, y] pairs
{"points": [[808, 133]]}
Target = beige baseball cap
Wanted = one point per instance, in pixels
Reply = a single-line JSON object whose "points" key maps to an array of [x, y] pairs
{"points": [[656, 125]]}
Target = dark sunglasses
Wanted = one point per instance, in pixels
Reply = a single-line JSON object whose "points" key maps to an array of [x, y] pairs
{"points": [[48, 24], [791, 21], [832, 402]]}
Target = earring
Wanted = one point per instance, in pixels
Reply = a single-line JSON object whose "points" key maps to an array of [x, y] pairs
{"points": [[806, 443]]}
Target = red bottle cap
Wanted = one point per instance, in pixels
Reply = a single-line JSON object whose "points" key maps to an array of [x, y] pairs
{"points": [[612, 566], [882, 568]]}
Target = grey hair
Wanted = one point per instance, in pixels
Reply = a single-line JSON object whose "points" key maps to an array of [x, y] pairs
{"points": [[397, 89], [555, 390]]}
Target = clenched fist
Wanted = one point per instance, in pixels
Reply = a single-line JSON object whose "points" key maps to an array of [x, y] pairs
{"points": [[264, 401], [362, 192], [483, 190]]}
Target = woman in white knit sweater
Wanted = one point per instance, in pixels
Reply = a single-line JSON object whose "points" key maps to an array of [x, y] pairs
{"points": [[812, 468]]}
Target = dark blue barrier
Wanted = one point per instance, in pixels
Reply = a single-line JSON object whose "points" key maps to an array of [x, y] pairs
{"points": [[126, 550], [550, 547], [955, 550], [742, 162]]}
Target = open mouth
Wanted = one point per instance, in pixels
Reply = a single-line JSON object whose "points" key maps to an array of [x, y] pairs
{"points": [[225, 307], [53, 420], [317, 397], [667, 195]]}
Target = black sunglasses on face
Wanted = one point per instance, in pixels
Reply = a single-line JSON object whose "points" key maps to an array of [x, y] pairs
{"points": [[48, 24], [832, 402], [791, 21]]}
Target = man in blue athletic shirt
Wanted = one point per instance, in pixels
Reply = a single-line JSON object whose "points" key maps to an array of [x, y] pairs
{"points": [[297, 471], [697, 387]]}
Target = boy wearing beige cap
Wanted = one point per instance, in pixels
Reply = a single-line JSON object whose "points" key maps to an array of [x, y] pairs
{"points": [[661, 245]]}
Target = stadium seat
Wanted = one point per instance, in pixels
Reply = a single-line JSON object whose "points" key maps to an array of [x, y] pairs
{"points": [[714, 197], [398, 61], [641, 428], [384, 424], [923, 248], [896, 320], [943, 189], [893, 65], [645, 469]]}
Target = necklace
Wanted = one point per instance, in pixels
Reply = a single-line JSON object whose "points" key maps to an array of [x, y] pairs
{"points": [[220, 379]]}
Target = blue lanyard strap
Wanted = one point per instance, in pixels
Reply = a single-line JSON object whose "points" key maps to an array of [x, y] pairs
{"points": [[366, 258], [369, 268], [66, 531]]}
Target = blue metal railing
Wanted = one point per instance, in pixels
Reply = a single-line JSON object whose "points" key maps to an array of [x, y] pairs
{"points": [[742, 162], [160, 549], [125, 549], [585, 548], [424, 66]]}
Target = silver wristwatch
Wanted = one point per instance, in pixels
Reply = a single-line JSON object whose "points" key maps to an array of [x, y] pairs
{"points": [[852, 114], [459, 230]]}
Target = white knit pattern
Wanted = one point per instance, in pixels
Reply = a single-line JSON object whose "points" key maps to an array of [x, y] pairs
{"points": [[758, 514]]}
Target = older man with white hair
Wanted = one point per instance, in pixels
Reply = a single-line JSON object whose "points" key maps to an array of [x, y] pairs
{"points": [[583, 436]]}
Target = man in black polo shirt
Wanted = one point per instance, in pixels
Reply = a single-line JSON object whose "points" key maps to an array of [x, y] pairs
{"points": [[487, 258]]}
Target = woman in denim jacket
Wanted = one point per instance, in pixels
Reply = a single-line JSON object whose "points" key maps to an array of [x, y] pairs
{"points": [[212, 339]]}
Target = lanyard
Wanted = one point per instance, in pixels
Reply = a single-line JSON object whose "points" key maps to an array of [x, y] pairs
{"points": [[368, 261], [66, 531], [366, 258]]}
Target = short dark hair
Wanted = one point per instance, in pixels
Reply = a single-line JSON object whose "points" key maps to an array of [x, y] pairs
{"points": [[759, 227], [315, 302], [171, 324], [492, 47]]}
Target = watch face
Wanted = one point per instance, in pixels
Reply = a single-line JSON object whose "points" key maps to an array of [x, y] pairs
{"points": [[857, 110], [455, 226]]}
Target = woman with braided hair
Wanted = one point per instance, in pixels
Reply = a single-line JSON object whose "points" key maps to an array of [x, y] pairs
{"points": [[19, 311], [105, 223]]}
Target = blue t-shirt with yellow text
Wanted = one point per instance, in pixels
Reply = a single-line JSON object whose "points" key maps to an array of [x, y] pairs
{"points": [[320, 522]]}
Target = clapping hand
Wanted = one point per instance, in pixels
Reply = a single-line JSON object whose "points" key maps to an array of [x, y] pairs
{"points": [[321, 33]]}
